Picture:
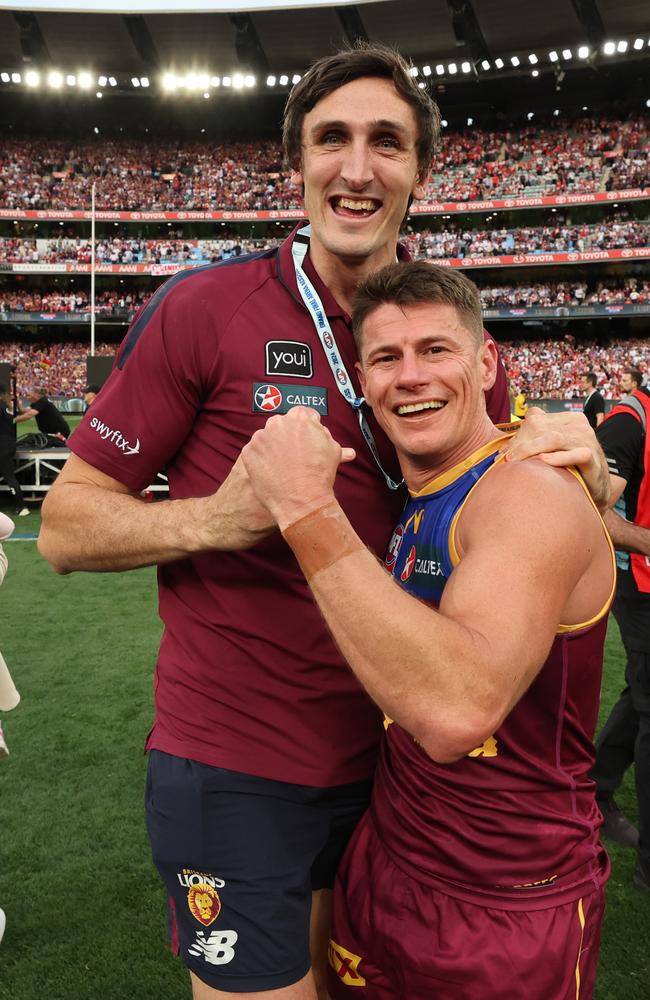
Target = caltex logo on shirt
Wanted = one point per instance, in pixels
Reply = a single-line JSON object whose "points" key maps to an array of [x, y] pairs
{"points": [[268, 398]]}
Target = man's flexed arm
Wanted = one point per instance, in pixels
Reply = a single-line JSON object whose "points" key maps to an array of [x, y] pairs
{"points": [[449, 678], [93, 522]]}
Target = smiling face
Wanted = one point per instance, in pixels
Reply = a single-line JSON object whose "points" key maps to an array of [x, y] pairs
{"points": [[358, 168], [424, 375]]}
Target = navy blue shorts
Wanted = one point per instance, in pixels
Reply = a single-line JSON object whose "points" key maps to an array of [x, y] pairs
{"points": [[240, 856]]}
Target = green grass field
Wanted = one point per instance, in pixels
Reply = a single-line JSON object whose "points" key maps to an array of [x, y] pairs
{"points": [[84, 907]]}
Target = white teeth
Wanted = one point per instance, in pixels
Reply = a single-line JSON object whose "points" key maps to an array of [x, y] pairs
{"points": [[433, 404], [360, 206]]}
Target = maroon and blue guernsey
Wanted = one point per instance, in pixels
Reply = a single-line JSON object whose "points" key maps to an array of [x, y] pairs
{"points": [[248, 677], [515, 821]]}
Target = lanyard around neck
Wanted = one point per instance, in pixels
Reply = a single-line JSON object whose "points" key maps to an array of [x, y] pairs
{"points": [[342, 380]]}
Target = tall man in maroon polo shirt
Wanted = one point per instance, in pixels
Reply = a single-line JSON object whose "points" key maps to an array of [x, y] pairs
{"points": [[263, 744]]}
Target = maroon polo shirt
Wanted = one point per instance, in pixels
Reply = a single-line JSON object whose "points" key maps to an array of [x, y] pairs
{"points": [[247, 677]]}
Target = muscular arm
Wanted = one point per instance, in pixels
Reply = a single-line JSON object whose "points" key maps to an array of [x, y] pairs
{"points": [[93, 522], [451, 677]]}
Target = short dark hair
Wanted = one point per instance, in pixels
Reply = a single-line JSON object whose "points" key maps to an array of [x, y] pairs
{"points": [[331, 72], [415, 282], [590, 377], [92, 388], [634, 374]]}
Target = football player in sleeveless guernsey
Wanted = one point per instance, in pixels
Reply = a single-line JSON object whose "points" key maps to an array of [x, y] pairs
{"points": [[477, 871]]}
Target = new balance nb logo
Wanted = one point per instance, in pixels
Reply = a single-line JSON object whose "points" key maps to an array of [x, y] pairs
{"points": [[217, 948]]}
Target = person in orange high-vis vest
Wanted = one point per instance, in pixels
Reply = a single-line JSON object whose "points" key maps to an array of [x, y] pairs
{"points": [[625, 737]]}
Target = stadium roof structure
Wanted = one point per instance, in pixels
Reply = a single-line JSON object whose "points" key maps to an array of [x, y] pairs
{"points": [[595, 48]]}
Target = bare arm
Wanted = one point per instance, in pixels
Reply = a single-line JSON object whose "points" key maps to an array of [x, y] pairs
{"points": [[626, 535], [451, 677], [93, 522], [562, 439], [25, 415]]}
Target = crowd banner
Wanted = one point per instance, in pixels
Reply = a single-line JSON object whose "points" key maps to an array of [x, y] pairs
{"points": [[291, 214], [508, 260]]}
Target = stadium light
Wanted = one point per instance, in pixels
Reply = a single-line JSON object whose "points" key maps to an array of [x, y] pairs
{"points": [[638, 43], [567, 54], [284, 79], [440, 69], [249, 80], [96, 130], [444, 123], [226, 81], [169, 81], [583, 52], [609, 48], [238, 81], [466, 67], [71, 80], [102, 81], [470, 121], [215, 81], [413, 71], [206, 94], [532, 59], [85, 81], [499, 63], [16, 78], [556, 112], [135, 81], [55, 79], [112, 81], [485, 65], [191, 82], [427, 70], [535, 72], [515, 61], [32, 78], [453, 68], [621, 47], [530, 115], [422, 85], [270, 81], [553, 56], [144, 81], [99, 94], [203, 81], [5, 77], [296, 78]]}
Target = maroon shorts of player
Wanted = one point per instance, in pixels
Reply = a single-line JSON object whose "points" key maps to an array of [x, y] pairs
{"points": [[394, 938]]}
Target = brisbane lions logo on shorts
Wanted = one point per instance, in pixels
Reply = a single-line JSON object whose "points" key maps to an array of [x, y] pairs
{"points": [[204, 903]]}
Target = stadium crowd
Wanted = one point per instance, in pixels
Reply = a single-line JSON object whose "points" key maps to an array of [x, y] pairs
{"points": [[586, 155], [542, 368], [122, 302], [114, 302], [451, 242]]}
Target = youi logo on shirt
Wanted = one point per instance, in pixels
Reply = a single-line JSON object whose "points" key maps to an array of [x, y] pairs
{"points": [[289, 357]]}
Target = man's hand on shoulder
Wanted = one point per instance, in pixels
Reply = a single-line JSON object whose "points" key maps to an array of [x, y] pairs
{"points": [[563, 439], [292, 463]]}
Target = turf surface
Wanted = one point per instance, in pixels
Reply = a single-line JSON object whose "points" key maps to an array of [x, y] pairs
{"points": [[85, 910]]}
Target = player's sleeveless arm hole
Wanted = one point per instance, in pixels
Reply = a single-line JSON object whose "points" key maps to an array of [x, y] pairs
{"points": [[563, 629], [454, 554]]}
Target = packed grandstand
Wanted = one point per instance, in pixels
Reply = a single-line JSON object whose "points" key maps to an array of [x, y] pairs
{"points": [[585, 155]]}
